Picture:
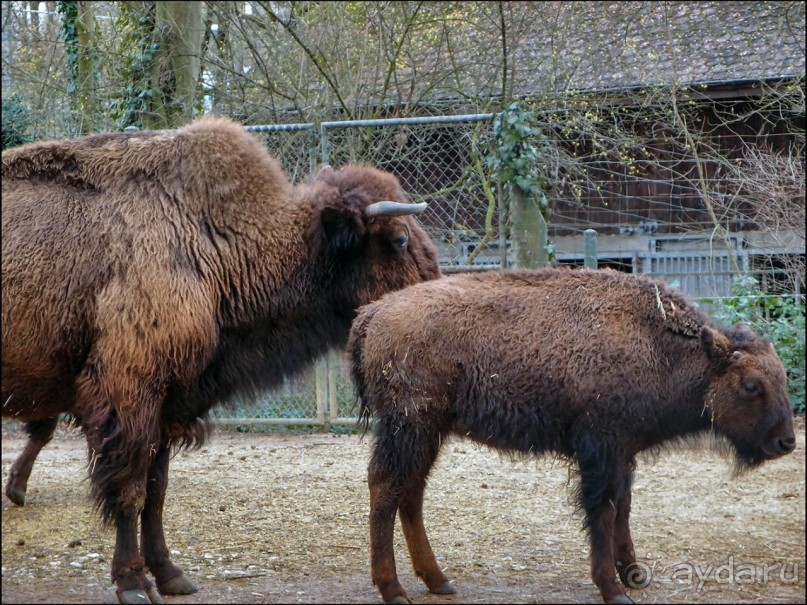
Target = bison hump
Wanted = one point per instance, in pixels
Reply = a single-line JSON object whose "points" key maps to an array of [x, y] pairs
{"points": [[210, 159]]}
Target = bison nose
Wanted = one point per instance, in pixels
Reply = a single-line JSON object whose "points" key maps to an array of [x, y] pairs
{"points": [[786, 444]]}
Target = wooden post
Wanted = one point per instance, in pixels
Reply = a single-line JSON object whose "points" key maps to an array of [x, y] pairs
{"points": [[590, 249]]}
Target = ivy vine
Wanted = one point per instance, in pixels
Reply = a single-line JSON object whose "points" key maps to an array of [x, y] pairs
{"points": [[69, 31], [515, 159], [139, 47]]}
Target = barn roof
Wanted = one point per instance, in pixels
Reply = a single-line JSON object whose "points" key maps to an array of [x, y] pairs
{"points": [[630, 44]]}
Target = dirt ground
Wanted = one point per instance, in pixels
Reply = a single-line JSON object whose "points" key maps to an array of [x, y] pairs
{"points": [[256, 518]]}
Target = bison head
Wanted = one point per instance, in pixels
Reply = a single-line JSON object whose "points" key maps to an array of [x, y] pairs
{"points": [[748, 397], [368, 231]]}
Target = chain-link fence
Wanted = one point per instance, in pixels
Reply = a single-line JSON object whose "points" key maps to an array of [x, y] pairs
{"points": [[438, 160], [636, 181]]}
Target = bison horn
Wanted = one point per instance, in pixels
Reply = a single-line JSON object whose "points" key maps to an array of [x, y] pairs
{"points": [[387, 208]]}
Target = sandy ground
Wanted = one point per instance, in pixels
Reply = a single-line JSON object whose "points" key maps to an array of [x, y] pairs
{"points": [[257, 518]]}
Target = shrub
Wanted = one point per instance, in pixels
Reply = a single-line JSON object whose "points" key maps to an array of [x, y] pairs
{"points": [[16, 122]]}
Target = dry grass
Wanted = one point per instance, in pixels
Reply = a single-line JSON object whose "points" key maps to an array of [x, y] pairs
{"points": [[269, 519]]}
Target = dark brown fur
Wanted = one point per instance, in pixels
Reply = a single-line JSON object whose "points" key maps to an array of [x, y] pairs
{"points": [[148, 277], [595, 367]]}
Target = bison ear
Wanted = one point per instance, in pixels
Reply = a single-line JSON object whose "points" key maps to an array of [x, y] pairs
{"points": [[714, 343], [326, 173], [344, 227]]}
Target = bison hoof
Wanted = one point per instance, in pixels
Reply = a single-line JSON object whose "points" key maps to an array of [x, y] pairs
{"points": [[399, 600], [180, 584], [620, 599], [150, 597], [16, 495], [444, 588]]}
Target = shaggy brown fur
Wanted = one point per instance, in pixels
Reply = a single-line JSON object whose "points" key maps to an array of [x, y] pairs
{"points": [[147, 277], [592, 366]]}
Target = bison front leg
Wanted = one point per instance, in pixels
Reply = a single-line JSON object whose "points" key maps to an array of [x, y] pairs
{"points": [[121, 451], [127, 566], [170, 578], [631, 574], [40, 433], [123, 501], [601, 488]]}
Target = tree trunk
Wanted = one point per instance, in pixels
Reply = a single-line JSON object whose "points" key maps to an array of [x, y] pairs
{"points": [[85, 73], [527, 231], [175, 70], [78, 35]]}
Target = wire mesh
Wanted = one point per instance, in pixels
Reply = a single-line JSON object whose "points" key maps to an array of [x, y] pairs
{"points": [[635, 176], [438, 163]]}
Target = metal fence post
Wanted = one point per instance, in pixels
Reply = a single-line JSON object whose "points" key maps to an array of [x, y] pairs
{"points": [[312, 152], [501, 202], [333, 403], [323, 142], [321, 381], [590, 249]]}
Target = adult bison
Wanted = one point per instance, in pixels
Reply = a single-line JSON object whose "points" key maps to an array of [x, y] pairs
{"points": [[594, 367], [149, 276]]}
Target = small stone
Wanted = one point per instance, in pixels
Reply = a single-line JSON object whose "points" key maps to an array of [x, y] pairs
{"points": [[74, 543], [20, 542]]}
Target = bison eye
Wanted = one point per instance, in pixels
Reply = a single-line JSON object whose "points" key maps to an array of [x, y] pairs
{"points": [[750, 388], [400, 241]]}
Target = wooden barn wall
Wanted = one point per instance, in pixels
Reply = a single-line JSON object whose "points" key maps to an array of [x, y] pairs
{"points": [[664, 189]]}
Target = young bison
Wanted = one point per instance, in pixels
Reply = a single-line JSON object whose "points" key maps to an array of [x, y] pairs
{"points": [[594, 367]]}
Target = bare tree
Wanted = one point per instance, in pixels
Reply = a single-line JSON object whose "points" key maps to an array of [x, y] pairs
{"points": [[176, 66]]}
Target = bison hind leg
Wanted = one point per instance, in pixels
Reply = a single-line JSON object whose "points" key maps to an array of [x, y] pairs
{"points": [[403, 454], [420, 550], [40, 433]]}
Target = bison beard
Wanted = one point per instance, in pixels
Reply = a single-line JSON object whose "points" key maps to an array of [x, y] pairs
{"points": [[593, 367], [150, 276]]}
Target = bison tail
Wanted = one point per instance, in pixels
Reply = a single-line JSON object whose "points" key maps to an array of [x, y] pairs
{"points": [[355, 350]]}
